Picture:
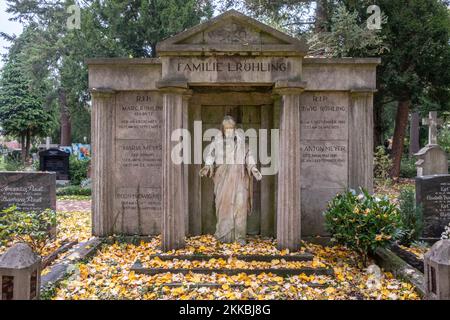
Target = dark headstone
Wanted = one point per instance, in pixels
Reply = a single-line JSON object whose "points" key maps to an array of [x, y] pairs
{"points": [[55, 160], [29, 191], [433, 194]]}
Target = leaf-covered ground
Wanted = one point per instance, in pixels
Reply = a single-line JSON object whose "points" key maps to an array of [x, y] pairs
{"points": [[392, 190], [418, 251], [107, 275]]}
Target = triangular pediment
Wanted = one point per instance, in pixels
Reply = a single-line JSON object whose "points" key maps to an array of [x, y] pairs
{"points": [[232, 32]]}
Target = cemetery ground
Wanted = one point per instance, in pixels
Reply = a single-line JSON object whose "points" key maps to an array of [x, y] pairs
{"points": [[108, 274]]}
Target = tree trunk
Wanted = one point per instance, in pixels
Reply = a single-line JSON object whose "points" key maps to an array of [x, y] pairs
{"points": [[377, 128], [414, 145], [401, 122], [23, 148], [321, 16], [28, 144], [66, 127]]}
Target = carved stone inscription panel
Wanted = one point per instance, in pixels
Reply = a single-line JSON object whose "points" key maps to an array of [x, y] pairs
{"points": [[138, 163], [324, 154]]}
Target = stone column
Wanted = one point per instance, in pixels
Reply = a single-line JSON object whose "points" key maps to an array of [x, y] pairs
{"points": [[102, 128], [268, 181], [289, 189], [185, 106], [360, 140], [173, 178], [195, 182]]}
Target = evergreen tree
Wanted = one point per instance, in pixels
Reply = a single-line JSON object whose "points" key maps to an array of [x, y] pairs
{"points": [[23, 109], [108, 29]]}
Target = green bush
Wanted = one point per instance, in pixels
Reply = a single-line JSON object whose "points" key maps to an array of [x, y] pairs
{"points": [[410, 216], [13, 165], [381, 166], [30, 227], [11, 162], [73, 191], [444, 139], [408, 167], [78, 169], [362, 222]]}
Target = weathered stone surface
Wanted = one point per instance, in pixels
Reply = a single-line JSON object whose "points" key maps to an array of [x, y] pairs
{"points": [[389, 261], [235, 69], [174, 210], [29, 191], [60, 269], [124, 74], [433, 195], [103, 184], [20, 273], [232, 64], [431, 159], [324, 116], [289, 174], [232, 32], [360, 144], [343, 74], [324, 154], [437, 271], [324, 164], [138, 163], [314, 203]]}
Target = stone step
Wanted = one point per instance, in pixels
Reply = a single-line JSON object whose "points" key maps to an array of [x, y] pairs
{"points": [[282, 272], [243, 257], [233, 285]]}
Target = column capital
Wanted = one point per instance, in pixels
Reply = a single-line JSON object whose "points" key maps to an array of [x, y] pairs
{"points": [[174, 86], [285, 87], [355, 92], [102, 92]]}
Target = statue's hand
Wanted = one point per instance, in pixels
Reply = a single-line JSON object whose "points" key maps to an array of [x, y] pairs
{"points": [[256, 174], [207, 171]]}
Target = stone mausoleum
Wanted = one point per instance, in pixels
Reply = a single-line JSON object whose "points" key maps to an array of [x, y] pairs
{"points": [[230, 65]]}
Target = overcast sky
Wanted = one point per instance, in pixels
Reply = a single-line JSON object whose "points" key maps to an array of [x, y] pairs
{"points": [[9, 27]]}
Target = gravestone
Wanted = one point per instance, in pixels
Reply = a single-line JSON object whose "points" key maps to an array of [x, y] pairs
{"points": [[29, 191], [55, 160], [433, 195], [432, 159], [236, 64]]}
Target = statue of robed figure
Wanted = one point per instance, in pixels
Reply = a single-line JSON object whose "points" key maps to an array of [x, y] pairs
{"points": [[231, 165]]}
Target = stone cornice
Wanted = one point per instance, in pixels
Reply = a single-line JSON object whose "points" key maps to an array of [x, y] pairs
{"points": [[362, 91], [102, 92], [174, 86], [284, 87], [370, 61], [123, 61]]}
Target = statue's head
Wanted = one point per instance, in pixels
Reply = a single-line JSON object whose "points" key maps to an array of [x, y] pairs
{"points": [[228, 126]]}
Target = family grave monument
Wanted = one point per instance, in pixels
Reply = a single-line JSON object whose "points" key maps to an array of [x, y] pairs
{"points": [[317, 111]]}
